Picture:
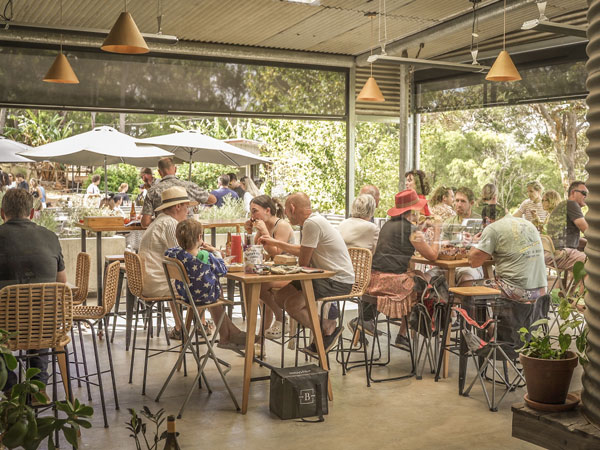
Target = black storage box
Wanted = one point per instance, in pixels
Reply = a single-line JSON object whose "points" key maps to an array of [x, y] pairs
{"points": [[297, 391]]}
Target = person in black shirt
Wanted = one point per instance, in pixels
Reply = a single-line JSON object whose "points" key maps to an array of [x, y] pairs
{"points": [[21, 183], [29, 253], [235, 185]]}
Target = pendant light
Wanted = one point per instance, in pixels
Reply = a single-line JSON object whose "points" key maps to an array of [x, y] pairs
{"points": [[370, 91], [503, 68], [125, 37], [61, 71]]}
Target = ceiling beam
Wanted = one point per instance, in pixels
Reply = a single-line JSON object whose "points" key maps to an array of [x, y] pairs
{"points": [[449, 27], [555, 27]]}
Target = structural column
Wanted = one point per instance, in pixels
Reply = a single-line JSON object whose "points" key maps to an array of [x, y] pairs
{"points": [[350, 139], [591, 377]]}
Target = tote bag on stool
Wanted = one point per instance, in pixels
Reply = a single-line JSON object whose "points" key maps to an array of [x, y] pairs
{"points": [[298, 392]]}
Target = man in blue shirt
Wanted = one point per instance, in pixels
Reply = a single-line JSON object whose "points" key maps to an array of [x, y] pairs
{"points": [[223, 190]]}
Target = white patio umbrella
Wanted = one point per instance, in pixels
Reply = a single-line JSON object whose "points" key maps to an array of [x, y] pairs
{"points": [[193, 146], [101, 146], [9, 150]]}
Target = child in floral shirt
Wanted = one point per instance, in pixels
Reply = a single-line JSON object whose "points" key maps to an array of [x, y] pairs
{"points": [[204, 266]]}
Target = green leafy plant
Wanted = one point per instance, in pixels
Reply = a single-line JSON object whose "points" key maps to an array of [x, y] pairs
{"points": [[20, 426], [117, 174], [139, 428], [232, 209], [541, 343]]}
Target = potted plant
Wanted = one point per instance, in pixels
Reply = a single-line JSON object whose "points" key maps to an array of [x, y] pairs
{"points": [[20, 425], [548, 363]]}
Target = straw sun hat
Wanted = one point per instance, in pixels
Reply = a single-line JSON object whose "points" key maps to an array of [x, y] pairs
{"points": [[174, 196]]}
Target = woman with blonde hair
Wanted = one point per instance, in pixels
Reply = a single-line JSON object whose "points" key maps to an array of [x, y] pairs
{"points": [[251, 191], [532, 209], [38, 191], [490, 209], [441, 201]]}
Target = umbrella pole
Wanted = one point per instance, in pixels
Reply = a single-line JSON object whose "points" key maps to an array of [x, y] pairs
{"points": [[190, 169], [105, 179]]}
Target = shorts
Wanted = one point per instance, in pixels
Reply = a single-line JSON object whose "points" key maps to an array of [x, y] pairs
{"points": [[565, 258], [326, 287], [473, 273]]}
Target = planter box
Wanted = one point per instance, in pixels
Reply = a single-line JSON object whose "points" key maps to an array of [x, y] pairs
{"points": [[113, 245]]}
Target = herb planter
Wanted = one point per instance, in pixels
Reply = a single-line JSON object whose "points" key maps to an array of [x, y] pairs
{"points": [[548, 380]]}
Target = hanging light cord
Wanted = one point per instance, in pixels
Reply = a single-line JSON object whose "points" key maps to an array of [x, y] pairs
{"points": [[504, 34], [7, 14], [474, 27], [61, 23], [371, 43], [382, 13]]}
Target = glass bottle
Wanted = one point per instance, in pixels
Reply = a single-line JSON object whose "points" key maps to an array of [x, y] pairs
{"points": [[171, 442], [228, 245], [132, 213]]}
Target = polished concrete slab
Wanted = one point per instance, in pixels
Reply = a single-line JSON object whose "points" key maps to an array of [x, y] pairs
{"points": [[405, 414]]}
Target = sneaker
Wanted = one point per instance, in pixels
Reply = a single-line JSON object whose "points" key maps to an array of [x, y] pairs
{"points": [[276, 330], [369, 326], [175, 334], [402, 342], [329, 341]]}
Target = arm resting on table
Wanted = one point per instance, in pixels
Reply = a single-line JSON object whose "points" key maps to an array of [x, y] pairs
{"points": [[477, 257]]}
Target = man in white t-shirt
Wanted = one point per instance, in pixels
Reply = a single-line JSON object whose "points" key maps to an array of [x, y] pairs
{"points": [[321, 246]]}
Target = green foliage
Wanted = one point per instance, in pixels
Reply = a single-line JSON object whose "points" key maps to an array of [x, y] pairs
{"points": [[540, 343], [20, 426], [138, 427], [117, 174], [37, 127], [232, 208]]}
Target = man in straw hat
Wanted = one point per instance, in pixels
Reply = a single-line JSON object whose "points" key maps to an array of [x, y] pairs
{"points": [[159, 237]]}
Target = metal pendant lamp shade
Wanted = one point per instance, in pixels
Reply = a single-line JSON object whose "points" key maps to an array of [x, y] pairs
{"points": [[503, 69], [61, 72], [125, 37], [370, 92]]}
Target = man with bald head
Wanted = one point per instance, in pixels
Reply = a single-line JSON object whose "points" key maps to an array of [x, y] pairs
{"points": [[322, 247], [371, 190]]}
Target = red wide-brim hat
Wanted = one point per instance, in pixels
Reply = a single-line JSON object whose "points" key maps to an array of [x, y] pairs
{"points": [[405, 201]]}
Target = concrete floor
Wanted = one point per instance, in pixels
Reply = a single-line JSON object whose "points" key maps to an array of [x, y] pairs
{"points": [[405, 414]]}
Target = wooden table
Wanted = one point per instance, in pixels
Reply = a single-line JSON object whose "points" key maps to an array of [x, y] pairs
{"points": [[130, 302], [213, 224], [451, 265], [251, 284]]}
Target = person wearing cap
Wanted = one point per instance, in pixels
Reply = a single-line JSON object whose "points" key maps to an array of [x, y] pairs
{"points": [[167, 170], [391, 279], [159, 237]]}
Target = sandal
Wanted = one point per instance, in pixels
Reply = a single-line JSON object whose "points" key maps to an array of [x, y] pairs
{"points": [[275, 331], [209, 326], [175, 334]]}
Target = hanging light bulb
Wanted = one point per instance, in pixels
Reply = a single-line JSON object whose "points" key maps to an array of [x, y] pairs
{"points": [[370, 91], [503, 68], [61, 71], [125, 37]]}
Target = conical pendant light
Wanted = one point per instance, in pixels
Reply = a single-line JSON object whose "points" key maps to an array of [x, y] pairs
{"points": [[61, 71], [503, 68], [125, 37], [370, 91]]}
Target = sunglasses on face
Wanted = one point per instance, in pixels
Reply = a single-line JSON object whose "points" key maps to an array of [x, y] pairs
{"points": [[584, 193]]}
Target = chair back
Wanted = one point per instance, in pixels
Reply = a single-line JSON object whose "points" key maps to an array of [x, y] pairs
{"points": [[175, 271], [111, 284], [134, 268], [547, 244], [39, 315], [82, 278], [361, 262]]}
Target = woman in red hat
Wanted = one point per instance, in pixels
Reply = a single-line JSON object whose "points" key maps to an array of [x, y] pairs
{"points": [[391, 280]]}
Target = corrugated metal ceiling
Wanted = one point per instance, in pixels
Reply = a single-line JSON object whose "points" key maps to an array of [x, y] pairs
{"points": [[334, 26]]}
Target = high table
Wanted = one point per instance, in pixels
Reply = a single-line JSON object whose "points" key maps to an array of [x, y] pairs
{"points": [[450, 266], [251, 284], [100, 266]]}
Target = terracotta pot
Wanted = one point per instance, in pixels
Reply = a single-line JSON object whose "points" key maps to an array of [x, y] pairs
{"points": [[548, 380]]}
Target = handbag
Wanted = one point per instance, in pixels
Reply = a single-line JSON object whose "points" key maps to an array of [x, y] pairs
{"points": [[298, 392]]}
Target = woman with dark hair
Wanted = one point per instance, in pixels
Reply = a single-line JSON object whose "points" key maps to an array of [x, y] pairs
{"points": [[266, 217], [417, 181]]}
